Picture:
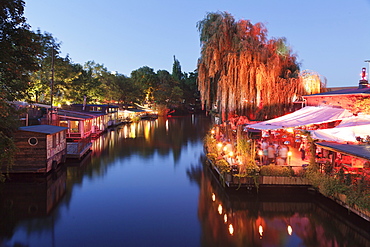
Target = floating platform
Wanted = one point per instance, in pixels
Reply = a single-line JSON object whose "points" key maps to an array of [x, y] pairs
{"points": [[232, 181]]}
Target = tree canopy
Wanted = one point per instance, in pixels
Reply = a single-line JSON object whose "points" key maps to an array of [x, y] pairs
{"points": [[19, 49], [32, 70], [241, 71]]}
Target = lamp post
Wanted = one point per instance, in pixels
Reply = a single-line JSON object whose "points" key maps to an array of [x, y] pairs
{"points": [[290, 157], [260, 153]]}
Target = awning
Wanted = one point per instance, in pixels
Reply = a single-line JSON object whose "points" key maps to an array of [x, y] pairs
{"points": [[346, 131], [359, 151], [305, 116]]}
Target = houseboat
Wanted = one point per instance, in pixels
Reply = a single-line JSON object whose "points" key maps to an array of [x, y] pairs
{"points": [[41, 148], [79, 131], [110, 110]]}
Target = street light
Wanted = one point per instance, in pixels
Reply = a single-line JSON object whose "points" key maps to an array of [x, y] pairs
{"points": [[290, 157]]}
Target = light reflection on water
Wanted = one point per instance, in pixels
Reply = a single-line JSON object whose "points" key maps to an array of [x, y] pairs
{"points": [[144, 185]]}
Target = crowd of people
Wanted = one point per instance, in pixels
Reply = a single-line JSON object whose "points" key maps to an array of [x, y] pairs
{"points": [[274, 153]]}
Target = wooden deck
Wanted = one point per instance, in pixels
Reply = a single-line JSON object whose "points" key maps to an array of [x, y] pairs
{"points": [[77, 150], [233, 181]]}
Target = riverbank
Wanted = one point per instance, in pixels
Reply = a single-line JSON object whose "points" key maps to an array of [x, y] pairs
{"points": [[236, 164]]}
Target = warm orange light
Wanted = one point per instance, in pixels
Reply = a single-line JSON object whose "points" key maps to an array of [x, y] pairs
{"points": [[290, 130], [231, 154], [212, 132], [219, 145], [260, 152], [231, 229], [290, 153], [225, 218], [213, 197], [260, 230], [290, 230], [220, 209]]}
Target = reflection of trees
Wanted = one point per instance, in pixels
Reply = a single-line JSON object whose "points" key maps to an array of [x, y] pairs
{"points": [[31, 197], [163, 136], [241, 218], [144, 138]]}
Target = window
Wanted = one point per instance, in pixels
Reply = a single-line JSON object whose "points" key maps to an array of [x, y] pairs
{"points": [[33, 141]]}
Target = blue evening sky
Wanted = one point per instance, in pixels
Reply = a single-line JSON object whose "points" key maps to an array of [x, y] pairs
{"points": [[330, 37]]}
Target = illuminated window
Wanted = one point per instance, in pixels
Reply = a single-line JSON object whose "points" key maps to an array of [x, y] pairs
{"points": [[74, 127]]}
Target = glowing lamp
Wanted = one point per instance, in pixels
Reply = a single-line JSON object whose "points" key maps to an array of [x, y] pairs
{"points": [[290, 130], [260, 152], [225, 218], [290, 153], [219, 145], [231, 229], [290, 230], [260, 230], [213, 197], [219, 209]]}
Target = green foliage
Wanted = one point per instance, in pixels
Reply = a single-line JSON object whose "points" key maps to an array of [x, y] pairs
{"points": [[210, 143], [329, 186], [357, 193], [279, 171], [147, 80], [212, 157], [19, 48], [223, 166], [176, 70]]}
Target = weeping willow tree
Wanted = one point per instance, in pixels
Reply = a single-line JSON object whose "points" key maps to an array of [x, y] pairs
{"points": [[243, 72], [312, 81]]}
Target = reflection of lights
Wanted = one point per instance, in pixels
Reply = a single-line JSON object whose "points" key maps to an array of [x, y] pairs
{"points": [[231, 229], [213, 197], [225, 218], [290, 230], [290, 130], [260, 230], [220, 209], [167, 125], [133, 130], [147, 128]]}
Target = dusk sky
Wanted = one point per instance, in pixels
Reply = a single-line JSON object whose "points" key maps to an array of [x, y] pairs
{"points": [[330, 37]]}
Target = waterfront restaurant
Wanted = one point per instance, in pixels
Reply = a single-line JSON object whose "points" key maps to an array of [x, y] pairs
{"points": [[353, 158]]}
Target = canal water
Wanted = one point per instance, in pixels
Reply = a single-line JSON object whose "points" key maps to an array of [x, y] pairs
{"points": [[146, 184]]}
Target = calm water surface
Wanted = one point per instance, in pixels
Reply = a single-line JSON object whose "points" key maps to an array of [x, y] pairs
{"points": [[145, 185]]}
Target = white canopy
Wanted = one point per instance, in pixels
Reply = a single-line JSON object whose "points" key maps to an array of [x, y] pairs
{"points": [[305, 116], [346, 131]]}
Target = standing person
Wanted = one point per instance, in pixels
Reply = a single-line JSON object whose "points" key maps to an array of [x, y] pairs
{"points": [[302, 149], [264, 146], [283, 152], [271, 154]]}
